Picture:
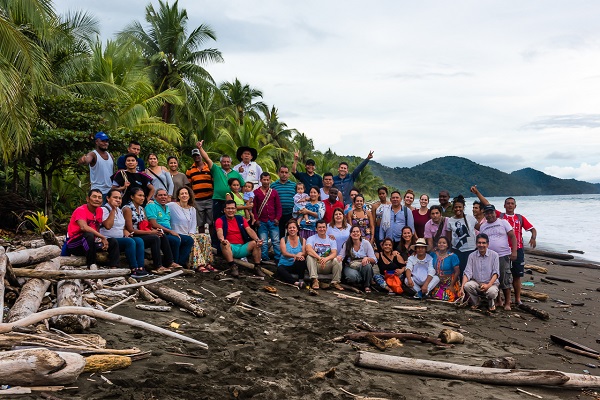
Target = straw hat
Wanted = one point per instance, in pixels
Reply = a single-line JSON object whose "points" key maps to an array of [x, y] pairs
{"points": [[420, 243]]}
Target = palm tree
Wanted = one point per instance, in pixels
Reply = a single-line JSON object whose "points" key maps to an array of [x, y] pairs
{"points": [[278, 133], [305, 145], [241, 99], [174, 58]]}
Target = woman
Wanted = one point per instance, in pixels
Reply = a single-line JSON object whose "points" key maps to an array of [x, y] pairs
{"points": [[161, 178], [409, 198], [361, 218], [315, 209], [377, 212], [125, 180], [357, 257], [136, 222], [293, 252], [460, 231], [407, 240], [113, 225], [389, 262], [235, 194], [179, 179], [183, 221], [447, 267], [338, 229], [349, 206], [420, 274], [421, 215]]}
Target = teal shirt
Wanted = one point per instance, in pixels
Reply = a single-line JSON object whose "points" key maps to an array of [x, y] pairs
{"points": [[221, 187], [160, 214], [286, 195]]}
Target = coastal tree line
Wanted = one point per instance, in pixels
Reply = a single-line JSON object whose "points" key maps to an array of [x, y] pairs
{"points": [[59, 84]]}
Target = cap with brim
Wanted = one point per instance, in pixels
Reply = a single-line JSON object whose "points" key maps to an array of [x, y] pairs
{"points": [[489, 207], [310, 161], [196, 152], [101, 135], [241, 151], [420, 243]]}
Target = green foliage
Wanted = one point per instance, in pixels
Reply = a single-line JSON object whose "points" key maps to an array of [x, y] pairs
{"points": [[39, 221]]}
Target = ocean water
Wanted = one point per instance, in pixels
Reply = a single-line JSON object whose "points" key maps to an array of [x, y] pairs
{"points": [[562, 222]]}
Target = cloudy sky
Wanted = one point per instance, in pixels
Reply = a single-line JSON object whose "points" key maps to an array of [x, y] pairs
{"points": [[509, 84]]}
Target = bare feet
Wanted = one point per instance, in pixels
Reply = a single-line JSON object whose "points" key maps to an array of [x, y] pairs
{"points": [[507, 307]]}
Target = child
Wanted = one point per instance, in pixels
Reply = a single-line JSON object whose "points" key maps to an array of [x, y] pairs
{"points": [[300, 200], [249, 199]]}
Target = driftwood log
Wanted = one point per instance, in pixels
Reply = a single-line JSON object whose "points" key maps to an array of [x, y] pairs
{"points": [[561, 341], [45, 339], [35, 367], [106, 362], [22, 258], [534, 295], [541, 314], [144, 293], [549, 254], [554, 278], [50, 239], [498, 376], [580, 264], [72, 273], [3, 264], [149, 282], [42, 315], [32, 294], [392, 335], [582, 353], [541, 270], [69, 293], [182, 300]]}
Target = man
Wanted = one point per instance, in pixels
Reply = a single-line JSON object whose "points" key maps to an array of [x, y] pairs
{"points": [[503, 241], [309, 178], [83, 232], [101, 165], [327, 185], [478, 211], [133, 148], [201, 180], [250, 170], [398, 218], [435, 227], [220, 177], [481, 274], [286, 190], [345, 182], [237, 239], [331, 203], [159, 217], [267, 213], [447, 207], [321, 253], [518, 222], [125, 180], [179, 179]]}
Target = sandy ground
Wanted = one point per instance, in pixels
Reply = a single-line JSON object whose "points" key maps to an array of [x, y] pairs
{"points": [[254, 355]]}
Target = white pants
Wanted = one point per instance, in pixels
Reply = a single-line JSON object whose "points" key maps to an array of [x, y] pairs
{"points": [[435, 280]]}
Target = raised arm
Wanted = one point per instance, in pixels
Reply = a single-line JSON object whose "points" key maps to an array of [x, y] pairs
{"points": [[204, 154], [361, 166], [295, 164], [481, 198]]}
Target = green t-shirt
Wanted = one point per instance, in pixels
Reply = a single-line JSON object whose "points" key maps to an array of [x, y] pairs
{"points": [[221, 188]]}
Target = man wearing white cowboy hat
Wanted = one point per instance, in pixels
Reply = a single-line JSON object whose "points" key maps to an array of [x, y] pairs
{"points": [[420, 274], [250, 170]]}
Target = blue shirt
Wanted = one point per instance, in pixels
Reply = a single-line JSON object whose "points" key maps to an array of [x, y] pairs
{"points": [[309, 180], [346, 183], [397, 222], [286, 192]]}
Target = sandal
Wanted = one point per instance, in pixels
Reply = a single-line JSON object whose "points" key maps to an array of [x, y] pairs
{"points": [[300, 284], [162, 271], [315, 284], [337, 286], [202, 269], [210, 268], [175, 266], [367, 290], [492, 308]]}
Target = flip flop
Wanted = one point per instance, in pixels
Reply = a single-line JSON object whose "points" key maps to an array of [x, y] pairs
{"points": [[162, 271], [337, 286], [174, 266], [210, 268]]}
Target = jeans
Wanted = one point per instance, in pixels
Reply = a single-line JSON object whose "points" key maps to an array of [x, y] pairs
{"points": [[363, 275], [155, 244], [180, 248], [267, 230], [134, 250]]}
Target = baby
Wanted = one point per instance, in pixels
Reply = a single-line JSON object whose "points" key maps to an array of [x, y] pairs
{"points": [[300, 200], [249, 200]]}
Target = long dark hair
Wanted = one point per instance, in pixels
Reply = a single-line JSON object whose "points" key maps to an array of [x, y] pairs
{"points": [[350, 244], [403, 242]]}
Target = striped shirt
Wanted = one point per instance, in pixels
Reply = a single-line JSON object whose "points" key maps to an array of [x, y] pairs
{"points": [[286, 192], [201, 181]]}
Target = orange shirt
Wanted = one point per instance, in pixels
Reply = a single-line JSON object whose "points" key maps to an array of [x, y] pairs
{"points": [[201, 181]]}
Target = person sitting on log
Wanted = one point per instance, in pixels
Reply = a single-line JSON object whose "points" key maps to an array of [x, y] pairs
{"points": [[321, 253], [237, 239], [358, 258], [159, 217], [481, 274], [83, 232], [420, 274]]}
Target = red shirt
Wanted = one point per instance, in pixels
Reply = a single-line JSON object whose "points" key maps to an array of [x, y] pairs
{"points": [[271, 211], [513, 221], [329, 208], [83, 213], [234, 236]]}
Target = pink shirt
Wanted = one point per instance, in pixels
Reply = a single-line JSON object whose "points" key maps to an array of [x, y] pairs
{"points": [[83, 213], [431, 228]]}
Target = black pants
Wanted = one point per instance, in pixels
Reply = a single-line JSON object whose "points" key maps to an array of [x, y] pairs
{"points": [[87, 246], [298, 268], [282, 223], [156, 244]]}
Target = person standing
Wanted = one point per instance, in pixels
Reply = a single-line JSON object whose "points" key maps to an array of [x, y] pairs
{"points": [[286, 190], [267, 213], [331, 203], [101, 165], [344, 181], [309, 178], [161, 178], [397, 218], [200, 177], [421, 215], [133, 148], [179, 178], [503, 241], [460, 231], [435, 227], [481, 274], [249, 169], [447, 206], [128, 179], [327, 186]]}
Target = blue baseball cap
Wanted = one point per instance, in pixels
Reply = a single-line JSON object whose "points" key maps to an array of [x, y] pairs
{"points": [[101, 135]]}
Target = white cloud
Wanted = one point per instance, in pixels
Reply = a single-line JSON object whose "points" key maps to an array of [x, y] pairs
{"points": [[583, 172]]}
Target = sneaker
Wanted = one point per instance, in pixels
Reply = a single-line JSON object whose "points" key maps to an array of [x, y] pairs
{"points": [[234, 271], [419, 295], [244, 259], [139, 274]]}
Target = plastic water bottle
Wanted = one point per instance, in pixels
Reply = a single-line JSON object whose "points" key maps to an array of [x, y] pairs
{"points": [[206, 228]]}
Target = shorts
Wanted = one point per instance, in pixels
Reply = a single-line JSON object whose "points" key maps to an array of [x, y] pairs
{"points": [[240, 250], [505, 275], [518, 266]]}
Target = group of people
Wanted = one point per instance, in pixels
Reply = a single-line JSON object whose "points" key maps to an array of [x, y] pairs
{"points": [[318, 225]]}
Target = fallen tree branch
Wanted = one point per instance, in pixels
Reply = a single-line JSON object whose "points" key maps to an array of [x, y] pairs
{"points": [[72, 273], [40, 316], [22, 258], [393, 335], [150, 282]]}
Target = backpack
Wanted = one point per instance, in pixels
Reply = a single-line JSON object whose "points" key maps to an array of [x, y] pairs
{"points": [[240, 222]]}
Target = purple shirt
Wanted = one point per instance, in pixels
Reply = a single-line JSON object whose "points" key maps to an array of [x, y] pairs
{"points": [[481, 268], [497, 231], [431, 228], [271, 211]]}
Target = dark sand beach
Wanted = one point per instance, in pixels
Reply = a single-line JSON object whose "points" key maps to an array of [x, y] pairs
{"points": [[255, 355]]}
